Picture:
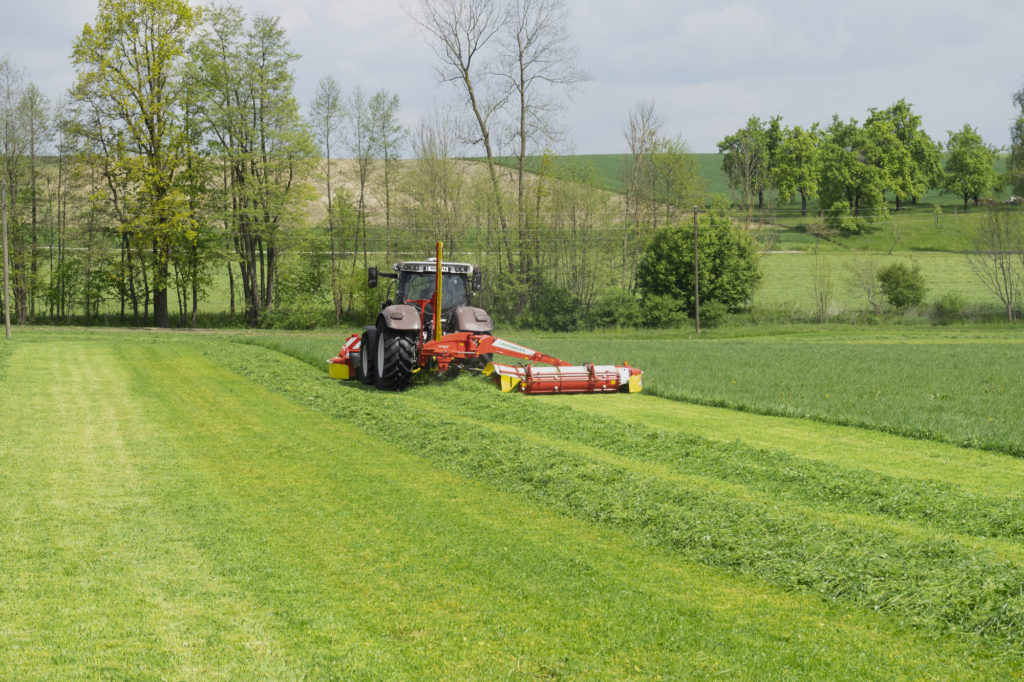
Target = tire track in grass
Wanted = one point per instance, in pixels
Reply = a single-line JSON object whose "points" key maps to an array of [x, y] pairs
{"points": [[464, 580], [934, 582], [96, 582]]}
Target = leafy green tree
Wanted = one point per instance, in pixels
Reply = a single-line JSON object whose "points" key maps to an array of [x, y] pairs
{"points": [[729, 269], [798, 164], [853, 171], [918, 169], [902, 285], [1015, 164], [253, 128], [746, 160], [128, 66], [970, 165]]}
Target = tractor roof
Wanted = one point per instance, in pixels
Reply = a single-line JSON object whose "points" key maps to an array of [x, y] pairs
{"points": [[430, 265]]}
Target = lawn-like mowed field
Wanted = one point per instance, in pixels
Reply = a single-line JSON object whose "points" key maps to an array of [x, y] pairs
{"points": [[189, 506]]}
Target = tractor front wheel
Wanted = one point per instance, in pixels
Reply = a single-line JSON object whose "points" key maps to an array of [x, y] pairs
{"points": [[395, 359], [367, 357]]}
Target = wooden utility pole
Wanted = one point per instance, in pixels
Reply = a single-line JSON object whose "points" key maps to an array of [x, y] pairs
{"points": [[696, 274], [7, 286]]}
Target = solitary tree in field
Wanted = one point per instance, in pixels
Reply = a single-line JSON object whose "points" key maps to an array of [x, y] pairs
{"points": [[128, 70], [729, 269], [970, 165]]}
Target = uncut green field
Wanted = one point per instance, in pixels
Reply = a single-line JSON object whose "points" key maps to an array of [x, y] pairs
{"points": [[195, 506], [788, 279]]}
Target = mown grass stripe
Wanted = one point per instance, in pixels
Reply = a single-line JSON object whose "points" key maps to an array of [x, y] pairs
{"points": [[97, 582], [461, 580], [935, 582]]}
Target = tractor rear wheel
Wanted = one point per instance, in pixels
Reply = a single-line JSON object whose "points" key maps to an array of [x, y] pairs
{"points": [[395, 359], [368, 356]]}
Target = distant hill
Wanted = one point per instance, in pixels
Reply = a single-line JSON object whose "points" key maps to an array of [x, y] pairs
{"points": [[608, 169]]}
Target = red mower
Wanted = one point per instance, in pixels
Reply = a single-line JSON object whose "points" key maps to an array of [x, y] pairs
{"points": [[431, 325]]}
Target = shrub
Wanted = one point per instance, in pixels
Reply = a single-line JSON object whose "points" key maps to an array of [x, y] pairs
{"points": [[950, 307], [614, 307], [660, 312], [712, 313], [728, 264], [555, 308], [902, 285], [838, 218]]}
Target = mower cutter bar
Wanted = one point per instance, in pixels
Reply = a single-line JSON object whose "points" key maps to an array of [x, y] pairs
{"points": [[586, 378]]}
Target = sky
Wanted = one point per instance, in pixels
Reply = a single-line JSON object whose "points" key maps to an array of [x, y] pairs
{"points": [[707, 65]]}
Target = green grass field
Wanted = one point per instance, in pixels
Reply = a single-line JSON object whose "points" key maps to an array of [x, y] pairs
{"points": [[188, 506], [788, 278]]}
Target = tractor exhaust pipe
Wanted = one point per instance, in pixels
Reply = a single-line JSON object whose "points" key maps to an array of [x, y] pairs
{"points": [[437, 295]]}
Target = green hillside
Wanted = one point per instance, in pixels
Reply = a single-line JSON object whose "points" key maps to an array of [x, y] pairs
{"points": [[608, 171]]}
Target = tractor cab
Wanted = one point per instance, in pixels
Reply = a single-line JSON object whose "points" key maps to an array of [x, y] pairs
{"points": [[416, 287]]}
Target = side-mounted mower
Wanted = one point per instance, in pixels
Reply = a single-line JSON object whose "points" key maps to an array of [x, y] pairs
{"points": [[430, 324]]}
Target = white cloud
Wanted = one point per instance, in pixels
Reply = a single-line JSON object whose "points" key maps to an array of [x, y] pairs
{"points": [[708, 64]]}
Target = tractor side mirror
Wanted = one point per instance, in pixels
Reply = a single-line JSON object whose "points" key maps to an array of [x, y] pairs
{"points": [[478, 280], [371, 278]]}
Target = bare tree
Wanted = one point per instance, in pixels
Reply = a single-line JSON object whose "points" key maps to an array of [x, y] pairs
{"points": [[459, 32], [363, 146], [388, 136], [862, 277], [643, 127], [433, 179], [327, 114], [821, 281], [998, 257], [538, 63]]}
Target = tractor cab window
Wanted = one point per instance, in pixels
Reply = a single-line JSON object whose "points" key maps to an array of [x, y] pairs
{"points": [[420, 286]]}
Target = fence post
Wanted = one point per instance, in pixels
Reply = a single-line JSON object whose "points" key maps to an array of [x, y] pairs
{"points": [[696, 274]]}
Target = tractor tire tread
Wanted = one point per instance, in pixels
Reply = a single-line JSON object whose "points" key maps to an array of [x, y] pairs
{"points": [[399, 360]]}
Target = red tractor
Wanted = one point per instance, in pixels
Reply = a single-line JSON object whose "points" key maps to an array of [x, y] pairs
{"points": [[431, 324]]}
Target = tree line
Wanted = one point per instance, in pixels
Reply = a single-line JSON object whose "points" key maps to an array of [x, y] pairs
{"points": [[853, 168], [181, 157]]}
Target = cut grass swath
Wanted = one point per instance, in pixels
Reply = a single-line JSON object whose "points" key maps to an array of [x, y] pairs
{"points": [[920, 575]]}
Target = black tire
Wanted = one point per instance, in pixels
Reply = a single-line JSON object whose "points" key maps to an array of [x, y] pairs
{"points": [[480, 362], [367, 357], [394, 359]]}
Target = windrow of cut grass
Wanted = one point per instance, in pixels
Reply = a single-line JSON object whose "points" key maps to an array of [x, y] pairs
{"points": [[868, 540]]}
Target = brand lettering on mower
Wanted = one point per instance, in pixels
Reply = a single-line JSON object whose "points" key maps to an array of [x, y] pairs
{"points": [[513, 347]]}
